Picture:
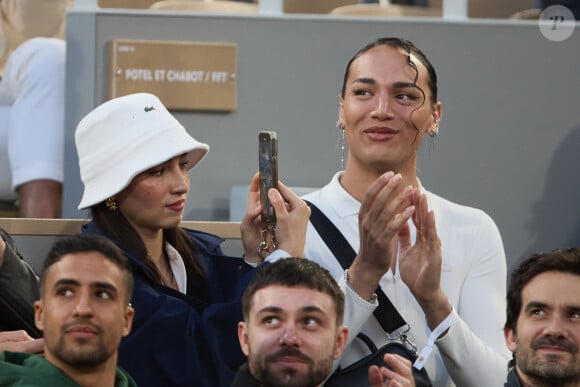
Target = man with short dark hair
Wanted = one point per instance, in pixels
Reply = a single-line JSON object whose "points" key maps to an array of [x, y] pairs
{"points": [[543, 320], [292, 329], [85, 287]]}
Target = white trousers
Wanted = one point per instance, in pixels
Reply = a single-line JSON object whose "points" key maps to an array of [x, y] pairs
{"points": [[32, 114]]}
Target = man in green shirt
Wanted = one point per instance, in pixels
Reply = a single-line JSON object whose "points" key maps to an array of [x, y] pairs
{"points": [[84, 312]]}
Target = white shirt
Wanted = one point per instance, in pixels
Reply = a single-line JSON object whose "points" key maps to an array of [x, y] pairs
{"points": [[177, 267], [473, 352]]}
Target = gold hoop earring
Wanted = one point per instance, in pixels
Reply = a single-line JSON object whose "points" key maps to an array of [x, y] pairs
{"points": [[111, 204]]}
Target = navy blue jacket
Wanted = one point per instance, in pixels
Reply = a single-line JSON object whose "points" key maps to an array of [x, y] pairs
{"points": [[177, 339], [512, 379], [244, 378]]}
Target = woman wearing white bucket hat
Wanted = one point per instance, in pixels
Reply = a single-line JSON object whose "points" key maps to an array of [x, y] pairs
{"points": [[187, 294]]}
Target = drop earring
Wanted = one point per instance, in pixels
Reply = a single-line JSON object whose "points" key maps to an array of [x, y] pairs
{"points": [[435, 129], [341, 142], [432, 133]]}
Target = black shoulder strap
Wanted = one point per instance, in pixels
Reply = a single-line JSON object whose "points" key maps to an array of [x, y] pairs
{"points": [[385, 313]]}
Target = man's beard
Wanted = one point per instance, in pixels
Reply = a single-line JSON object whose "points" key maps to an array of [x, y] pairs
{"points": [[81, 358], [290, 377], [549, 369]]}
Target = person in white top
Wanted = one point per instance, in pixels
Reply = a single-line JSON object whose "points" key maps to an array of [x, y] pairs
{"points": [[32, 65], [441, 264]]}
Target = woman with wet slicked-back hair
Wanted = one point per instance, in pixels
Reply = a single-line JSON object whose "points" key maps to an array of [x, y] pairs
{"points": [[442, 265]]}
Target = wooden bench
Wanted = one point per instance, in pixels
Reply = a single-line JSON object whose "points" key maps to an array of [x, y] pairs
{"points": [[59, 227]]}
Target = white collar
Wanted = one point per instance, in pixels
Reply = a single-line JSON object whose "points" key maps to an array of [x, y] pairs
{"points": [[177, 267], [344, 203]]}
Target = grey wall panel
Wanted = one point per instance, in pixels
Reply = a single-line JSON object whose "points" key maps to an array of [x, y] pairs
{"points": [[510, 134]]}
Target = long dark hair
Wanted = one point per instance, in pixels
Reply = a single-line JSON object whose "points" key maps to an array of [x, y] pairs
{"points": [[116, 226]]}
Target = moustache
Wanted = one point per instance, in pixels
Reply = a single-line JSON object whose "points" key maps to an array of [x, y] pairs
{"points": [[288, 352], [91, 326], [556, 342]]}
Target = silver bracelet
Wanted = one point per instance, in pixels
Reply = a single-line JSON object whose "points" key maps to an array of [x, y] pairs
{"points": [[373, 299]]}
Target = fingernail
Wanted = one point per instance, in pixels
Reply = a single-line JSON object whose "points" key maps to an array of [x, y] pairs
{"points": [[273, 194]]}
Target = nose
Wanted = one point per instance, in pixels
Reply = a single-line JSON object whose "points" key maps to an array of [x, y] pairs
{"points": [[179, 180], [556, 327], [83, 307], [381, 109], [289, 336]]}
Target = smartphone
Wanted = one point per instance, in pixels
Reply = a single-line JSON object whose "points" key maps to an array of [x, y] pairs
{"points": [[268, 165]]}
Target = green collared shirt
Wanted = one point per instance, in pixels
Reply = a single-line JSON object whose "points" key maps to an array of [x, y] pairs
{"points": [[23, 369]]}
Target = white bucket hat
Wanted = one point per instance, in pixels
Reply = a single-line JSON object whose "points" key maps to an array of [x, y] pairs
{"points": [[124, 137]]}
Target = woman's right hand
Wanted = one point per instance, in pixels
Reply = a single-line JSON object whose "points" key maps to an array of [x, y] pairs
{"points": [[292, 215], [384, 211]]}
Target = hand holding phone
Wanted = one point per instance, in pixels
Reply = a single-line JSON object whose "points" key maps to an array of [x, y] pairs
{"points": [[268, 166]]}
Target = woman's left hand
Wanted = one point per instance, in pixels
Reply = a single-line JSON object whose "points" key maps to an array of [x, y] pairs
{"points": [[420, 263], [292, 215]]}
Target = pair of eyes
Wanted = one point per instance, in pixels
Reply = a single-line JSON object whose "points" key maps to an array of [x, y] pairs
{"points": [[403, 96], [98, 293], [159, 170], [308, 321], [573, 314]]}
